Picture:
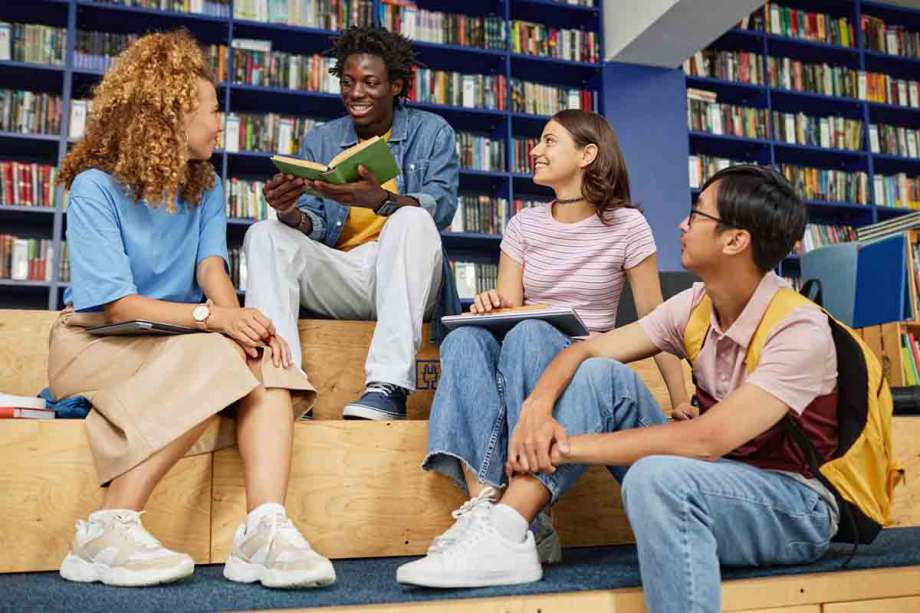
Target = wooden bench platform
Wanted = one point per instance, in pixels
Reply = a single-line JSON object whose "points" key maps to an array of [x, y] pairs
{"points": [[356, 487]]}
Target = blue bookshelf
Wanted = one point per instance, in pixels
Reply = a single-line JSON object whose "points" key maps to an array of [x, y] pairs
{"points": [[776, 152], [70, 82]]}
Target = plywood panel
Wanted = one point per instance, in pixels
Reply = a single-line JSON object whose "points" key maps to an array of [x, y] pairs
{"points": [[911, 604], [24, 359], [357, 490], [906, 446], [48, 481], [333, 356]]}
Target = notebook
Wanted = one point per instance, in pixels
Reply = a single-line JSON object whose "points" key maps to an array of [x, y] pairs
{"points": [[373, 153], [139, 326], [500, 321]]}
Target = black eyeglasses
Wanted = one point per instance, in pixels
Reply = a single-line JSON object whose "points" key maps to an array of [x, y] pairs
{"points": [[695, 211]]}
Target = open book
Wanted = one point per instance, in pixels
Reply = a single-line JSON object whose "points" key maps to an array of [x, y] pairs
{"points": [[500, 321], [373, 153]]}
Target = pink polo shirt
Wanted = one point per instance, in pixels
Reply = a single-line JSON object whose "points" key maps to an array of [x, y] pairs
{"points": [[798, 362]]}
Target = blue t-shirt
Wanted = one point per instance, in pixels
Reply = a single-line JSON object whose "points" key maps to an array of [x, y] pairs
{"points": [[118, 248]]}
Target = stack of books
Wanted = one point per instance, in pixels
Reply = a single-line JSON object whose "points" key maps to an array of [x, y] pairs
{"points": [[796, 75], [828, 132], [523, 163], [704, 114], [254, 63], [324, 14], [818, 235], [214, 8], [269, 133], [28, 112], [894, 40], [24, 407], [27, 184], [894, 140], [827, 184], [702, 167], [34, 43], [740, 66], [899, 191], [245, 200], [474, 277]]}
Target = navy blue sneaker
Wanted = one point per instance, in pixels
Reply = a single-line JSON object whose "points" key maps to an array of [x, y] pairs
{"points": [[380, 401]]}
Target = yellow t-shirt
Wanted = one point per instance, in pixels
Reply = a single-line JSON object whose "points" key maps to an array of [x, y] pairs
{"points": [[363, 225]]}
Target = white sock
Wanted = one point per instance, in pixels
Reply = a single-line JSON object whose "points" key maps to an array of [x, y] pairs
{"points": [[263, 510], [509, 523], [107, 514]]}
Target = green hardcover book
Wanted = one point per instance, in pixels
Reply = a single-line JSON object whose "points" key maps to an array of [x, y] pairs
{"points": [[373, 153]]}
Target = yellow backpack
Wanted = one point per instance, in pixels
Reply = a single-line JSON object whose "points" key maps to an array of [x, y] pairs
{"points": [[861, 473]]}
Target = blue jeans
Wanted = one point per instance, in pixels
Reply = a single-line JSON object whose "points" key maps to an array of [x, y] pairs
{"points": [[688, 515], [484, 382]]}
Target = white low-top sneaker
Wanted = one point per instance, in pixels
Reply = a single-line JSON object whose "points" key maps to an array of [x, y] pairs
{"points": [[479, 557], [115, 549], [480, 503], [276, 554]]}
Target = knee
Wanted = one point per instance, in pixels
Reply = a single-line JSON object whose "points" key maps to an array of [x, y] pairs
{"points": [[260, 237], [653, 484], [600, 373], [527, 335], [417, 223], [467, 342]]}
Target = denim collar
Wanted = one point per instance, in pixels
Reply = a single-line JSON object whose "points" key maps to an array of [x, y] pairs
{"points": [[400, 127]]}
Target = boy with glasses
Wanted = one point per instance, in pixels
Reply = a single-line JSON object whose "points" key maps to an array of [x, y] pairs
{"points": [[725, 487]]}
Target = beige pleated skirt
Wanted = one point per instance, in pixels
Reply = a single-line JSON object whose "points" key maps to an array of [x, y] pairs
{"points": [[146, 391]]}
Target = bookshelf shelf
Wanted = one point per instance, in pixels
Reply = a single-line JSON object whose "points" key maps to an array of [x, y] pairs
{"points": [[729, 138], [857, 58], [72, 82], [10, 283]]}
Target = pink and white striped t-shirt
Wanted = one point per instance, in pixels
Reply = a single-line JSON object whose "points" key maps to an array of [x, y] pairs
{"points": [[579, 265]]}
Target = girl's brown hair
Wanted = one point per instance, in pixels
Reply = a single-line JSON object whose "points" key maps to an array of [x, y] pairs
{"points": [[135, 130], [605, 183]]}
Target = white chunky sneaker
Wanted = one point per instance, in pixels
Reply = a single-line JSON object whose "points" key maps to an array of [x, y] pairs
{"points": [[479, 557], [276, 554], [480, 503], [115, 549]]}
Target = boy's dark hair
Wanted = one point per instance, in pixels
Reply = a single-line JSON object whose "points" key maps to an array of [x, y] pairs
{"points": [[395, 50], [760, 200]]}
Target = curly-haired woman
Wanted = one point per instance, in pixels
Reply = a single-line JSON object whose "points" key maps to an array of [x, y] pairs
{"points": [[575, 252], [146, 230]]}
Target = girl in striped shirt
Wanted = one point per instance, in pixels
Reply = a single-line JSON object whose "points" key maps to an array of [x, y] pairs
{"points": [[577, 251]]}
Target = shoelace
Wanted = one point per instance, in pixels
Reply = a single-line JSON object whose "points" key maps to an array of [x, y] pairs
{"points": [[281, 525], [131, 525], [387, 389], [443, 541]]}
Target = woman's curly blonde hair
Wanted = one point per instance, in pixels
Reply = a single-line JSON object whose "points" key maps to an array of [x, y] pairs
{"points": [[135, 130]]}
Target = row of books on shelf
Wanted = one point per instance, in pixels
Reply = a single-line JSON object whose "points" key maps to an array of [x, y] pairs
{"points": [[324, 14], [894, 140], [459, 89], [29, 112], [480, 213], [819, 235], [96, 50], [828, 185], [480, 152], [27, 184], [730, 119], [474, 277], [910, 358], [795, 75], [35, 43], [266, 133], [214, 8], [245, 200], [828, 132], [808, 25], [522, 163], [255, 63], [406, 18], [541, 99], [26, 259], [238, 270], [546, 41], [891, 39]]}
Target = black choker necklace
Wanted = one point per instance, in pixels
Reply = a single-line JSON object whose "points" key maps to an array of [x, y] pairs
{"points": [[569, 200]]}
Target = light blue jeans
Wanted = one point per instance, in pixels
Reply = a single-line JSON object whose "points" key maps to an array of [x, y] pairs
{"points": [[688, 515]]}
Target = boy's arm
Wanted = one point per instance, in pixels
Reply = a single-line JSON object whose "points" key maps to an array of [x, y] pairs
{"points": [[743, 415]]}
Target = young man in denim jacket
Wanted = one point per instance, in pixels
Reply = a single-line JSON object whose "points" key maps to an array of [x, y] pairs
{"points": [[364, 251]]}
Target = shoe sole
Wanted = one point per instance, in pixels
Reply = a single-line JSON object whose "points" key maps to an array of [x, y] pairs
{"points": [[79, 570], [516, 577], [241, 571], [358, 411]]}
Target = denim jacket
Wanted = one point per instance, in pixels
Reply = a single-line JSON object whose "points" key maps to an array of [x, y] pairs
{"points": [[425, 149]]}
